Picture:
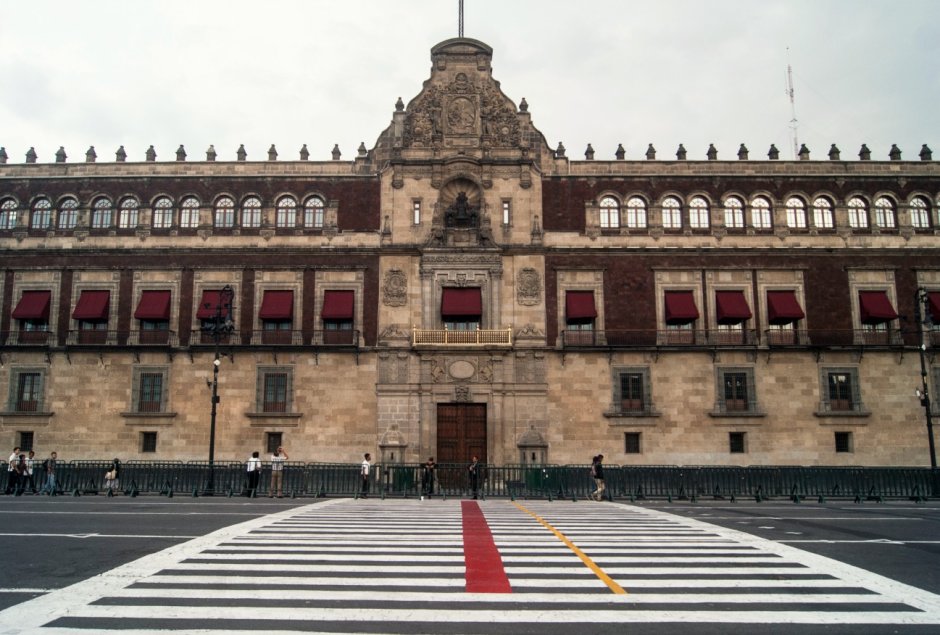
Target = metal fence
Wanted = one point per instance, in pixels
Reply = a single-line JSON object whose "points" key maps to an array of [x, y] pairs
{"points": [[669, 482]]}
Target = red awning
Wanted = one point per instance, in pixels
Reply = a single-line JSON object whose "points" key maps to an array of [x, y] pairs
{"points": [[783, 307], [680, 307], [210, 304], [461, 302], [338, 305], [277, 305], [153, 305], [34, 305], [933, 303], [92, 305], [579, 305], [731, 307], [874, 307]]}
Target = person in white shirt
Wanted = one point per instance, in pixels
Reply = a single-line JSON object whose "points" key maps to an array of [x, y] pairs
{"points": [[11, 470], [364, 472], [277, 472], [254, 472]]}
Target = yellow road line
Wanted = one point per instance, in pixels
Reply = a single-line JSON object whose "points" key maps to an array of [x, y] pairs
{"points": [[590, 564]]}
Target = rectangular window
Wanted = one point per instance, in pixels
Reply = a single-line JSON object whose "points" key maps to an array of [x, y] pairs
{"points": [[151, 392], [843, 441], [737, 442], [840, 392], [274, 389], [416, 212], [507, 213], [631, 392], [273, 440], [631, 442], [28, 392], [26, 440], [148, 442], [735, 388]]}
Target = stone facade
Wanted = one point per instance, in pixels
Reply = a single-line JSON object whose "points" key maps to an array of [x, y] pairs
{"points": [[461, 287]]}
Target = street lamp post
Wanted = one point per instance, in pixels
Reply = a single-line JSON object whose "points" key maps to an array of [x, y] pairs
{"points": [[220, 327], [924, 318]]}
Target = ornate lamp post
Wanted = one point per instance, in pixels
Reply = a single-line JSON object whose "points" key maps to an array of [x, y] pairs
{"points": [[924, 318], [220, 327]]}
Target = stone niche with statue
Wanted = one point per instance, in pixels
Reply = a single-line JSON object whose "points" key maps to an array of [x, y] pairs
{"points": [[460, 216]]}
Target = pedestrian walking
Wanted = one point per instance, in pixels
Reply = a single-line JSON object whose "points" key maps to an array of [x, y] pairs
{"points": [[11, 470], [19, 469], [597, 472], [277, 472], [112, 478], [49, 465], [28, 480], [364, 473], [427, 477], [254, 473], [473, 473]]}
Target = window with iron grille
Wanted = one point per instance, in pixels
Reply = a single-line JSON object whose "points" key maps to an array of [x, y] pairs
{"points": [[150, 390], [737, 442], [148, 442], [735, 391], [274, 440], [631, 392], [843, 441], [631, 443], [275, 387], [840, 391], [26, 440], [26, 390]]}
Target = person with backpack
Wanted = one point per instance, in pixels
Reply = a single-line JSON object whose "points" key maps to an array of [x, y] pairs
{"points": [[597, 472]]}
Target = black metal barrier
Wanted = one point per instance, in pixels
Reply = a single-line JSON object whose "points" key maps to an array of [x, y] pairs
{"points": [[795, 483]]}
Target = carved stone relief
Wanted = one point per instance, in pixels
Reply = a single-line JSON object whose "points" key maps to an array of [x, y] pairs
{"points": [[395, 288], [529, 287]]}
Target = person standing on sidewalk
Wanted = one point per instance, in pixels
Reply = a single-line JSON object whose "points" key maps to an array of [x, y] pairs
{"points": [[277, 472], [29, 480], [49, 487], [254, 472], [364, 473], [427, 477], [597, 471], [11, 470], [473, 471]]}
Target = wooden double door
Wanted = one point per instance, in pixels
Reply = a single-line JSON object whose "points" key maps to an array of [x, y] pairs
{"points": [[461, 432]]}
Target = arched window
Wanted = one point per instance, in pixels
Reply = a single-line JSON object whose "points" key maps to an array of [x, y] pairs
{"points": [[885, 213], [734, 213], [672, 213], [760, 213], [163, 213], [101, 213], [251, 212], [127, 217], [68, 213], [822, 213], [698, 213], [636, 213], [796, 213], [42, 214], [286, 212], [189, 212], [225, 212], [610, 213], [313, 213], [920, 213], [7, 213], [858, 213]]}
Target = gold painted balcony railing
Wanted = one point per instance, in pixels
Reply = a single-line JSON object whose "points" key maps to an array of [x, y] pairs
{"points": [[446, 337]]}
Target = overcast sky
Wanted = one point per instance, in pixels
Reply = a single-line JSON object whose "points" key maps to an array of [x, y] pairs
{"points": [[321, 72]]}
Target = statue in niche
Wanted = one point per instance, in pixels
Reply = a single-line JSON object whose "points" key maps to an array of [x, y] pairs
{"points": [[461, 213]]}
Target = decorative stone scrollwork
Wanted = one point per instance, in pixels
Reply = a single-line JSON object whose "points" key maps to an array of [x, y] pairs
{"points": [[395, 288], [462, 393], [528, 287]]}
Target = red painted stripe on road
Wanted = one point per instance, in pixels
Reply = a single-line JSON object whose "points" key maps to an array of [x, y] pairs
{"points": [[484, 566]]}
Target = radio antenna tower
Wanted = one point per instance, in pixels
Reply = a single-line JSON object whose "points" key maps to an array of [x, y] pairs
{"points": [[794, 124], [460, 19]]}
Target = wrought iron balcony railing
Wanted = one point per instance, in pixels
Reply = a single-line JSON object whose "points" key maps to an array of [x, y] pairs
{"points": [[774, 338]]}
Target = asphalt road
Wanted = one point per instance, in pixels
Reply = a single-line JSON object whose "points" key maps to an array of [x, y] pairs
{"points": [[51, 543]]}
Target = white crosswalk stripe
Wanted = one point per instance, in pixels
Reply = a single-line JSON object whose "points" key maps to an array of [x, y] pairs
{"points": [[399, 566]]}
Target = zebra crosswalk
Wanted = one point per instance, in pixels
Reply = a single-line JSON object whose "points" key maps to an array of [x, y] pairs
{"points": [[409, 566]]}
